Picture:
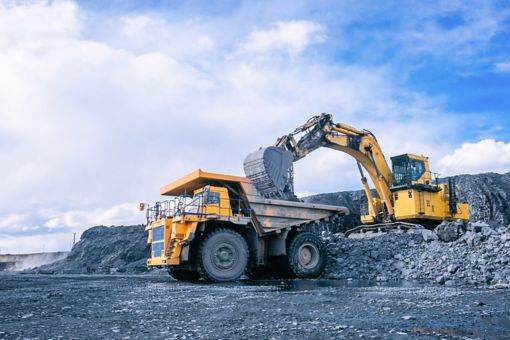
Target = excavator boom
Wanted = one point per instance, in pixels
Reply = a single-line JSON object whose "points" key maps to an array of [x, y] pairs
{"points": [[271, 170]]}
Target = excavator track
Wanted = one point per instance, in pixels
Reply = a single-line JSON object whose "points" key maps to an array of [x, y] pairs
{"points": [[328, 224], [383, 228]]}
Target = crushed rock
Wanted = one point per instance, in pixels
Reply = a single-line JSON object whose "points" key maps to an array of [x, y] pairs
{"points": [[474, 256]]}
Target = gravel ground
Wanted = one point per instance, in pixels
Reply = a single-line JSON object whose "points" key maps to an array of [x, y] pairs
{"points": [[132, 307]]}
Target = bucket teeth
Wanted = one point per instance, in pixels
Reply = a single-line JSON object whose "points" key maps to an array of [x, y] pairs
{"points": [[270, 171]]}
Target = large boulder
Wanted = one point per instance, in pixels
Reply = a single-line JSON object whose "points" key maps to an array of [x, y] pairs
{"points": [[450, 231]]}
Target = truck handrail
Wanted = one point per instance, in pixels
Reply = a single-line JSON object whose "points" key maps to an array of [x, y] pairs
{"points": [[227, 208]]}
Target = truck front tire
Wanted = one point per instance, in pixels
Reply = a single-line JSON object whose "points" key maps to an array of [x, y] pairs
{"points": [[306, 256], [222, 256]]}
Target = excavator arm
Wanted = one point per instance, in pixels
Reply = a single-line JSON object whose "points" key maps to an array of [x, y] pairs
{"points": [[270, 169]]}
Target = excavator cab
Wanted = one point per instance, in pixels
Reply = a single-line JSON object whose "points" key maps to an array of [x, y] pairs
{"points": [[412, 171]]}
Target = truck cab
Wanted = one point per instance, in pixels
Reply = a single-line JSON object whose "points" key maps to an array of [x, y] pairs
{"points": [[210, 201]]}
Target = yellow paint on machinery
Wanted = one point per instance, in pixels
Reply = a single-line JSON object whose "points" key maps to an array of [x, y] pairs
{"points": [[416, 197], [177, 228], [406, 191], [207, 203]]}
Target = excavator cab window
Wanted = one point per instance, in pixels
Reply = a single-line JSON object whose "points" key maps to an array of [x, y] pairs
{"points": [[417, 169], [406, 170]]}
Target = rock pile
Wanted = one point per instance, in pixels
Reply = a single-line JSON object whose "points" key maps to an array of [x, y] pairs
{"points": [[474, 254], [488, 196], [104, 250]]}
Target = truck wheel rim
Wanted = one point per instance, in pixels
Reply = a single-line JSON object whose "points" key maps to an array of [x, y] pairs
{"points": [[224, 256], [308, 255]]}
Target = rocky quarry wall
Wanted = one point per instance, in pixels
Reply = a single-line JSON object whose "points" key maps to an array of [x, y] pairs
{"points": [[487, 194]]}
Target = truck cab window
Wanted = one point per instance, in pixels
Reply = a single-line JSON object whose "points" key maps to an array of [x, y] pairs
{"points": [[212, 198]]}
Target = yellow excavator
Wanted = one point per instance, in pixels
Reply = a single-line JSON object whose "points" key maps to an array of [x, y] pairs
{"points": [[407, 193]]}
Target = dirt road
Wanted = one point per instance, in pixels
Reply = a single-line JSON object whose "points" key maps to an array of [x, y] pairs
{"points": [[131, 307]]}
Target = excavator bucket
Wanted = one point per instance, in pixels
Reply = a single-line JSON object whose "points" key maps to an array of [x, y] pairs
{"points": [[270, 171]]}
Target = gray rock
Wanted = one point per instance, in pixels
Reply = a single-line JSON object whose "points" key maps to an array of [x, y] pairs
{"points": [[488, 231], [501, 230], [474, 240], [501, 285], [505, 237], [428, 235], [449, 231], [440, 279], [477, 226], [453, 268]]}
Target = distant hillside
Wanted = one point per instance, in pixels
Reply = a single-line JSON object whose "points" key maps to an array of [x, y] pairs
{"points": [[104, 250], [488, 195]]}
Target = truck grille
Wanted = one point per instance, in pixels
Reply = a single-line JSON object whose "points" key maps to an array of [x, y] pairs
{"points": [[157, 248]]}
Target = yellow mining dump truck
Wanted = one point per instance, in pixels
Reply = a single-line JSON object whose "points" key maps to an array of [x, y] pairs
{"points": [[217, 227]]}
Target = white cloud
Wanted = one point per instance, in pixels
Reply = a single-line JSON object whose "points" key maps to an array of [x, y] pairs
{"points": [[90, 121], [464, 31], [503, 66], [120, 214], [53, 219], [21, 23], [486, 155], [289, 37], [55, 229], [186, 40], [12, 221], [24, 244], [326, 170]]}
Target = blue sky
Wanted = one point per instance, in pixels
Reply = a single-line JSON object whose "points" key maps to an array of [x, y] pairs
{"points": [[102, 103], [462, 73]]}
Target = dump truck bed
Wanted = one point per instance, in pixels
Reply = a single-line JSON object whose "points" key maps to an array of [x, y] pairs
{"points": [[277, 214], [268, 214]]}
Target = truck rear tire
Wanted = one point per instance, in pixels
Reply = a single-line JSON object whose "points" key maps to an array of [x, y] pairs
{"points": [[183, 274], [223, 256], [306, 256]]}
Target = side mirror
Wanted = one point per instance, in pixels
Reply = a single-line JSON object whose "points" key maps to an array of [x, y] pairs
{"points": [[142, 207]]}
